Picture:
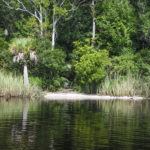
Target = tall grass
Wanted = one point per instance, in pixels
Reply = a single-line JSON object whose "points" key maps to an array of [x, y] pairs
{"points": [[124, 86], [13, 86]]}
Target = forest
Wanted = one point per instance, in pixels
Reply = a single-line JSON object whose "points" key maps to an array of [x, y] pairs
{"points": [[91, 46]]}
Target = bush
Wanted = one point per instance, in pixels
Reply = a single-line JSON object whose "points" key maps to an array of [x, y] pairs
{"points": [[36, 81], [51, 67], [5, 54], [143, 62], [124, 64], [91, 68]]}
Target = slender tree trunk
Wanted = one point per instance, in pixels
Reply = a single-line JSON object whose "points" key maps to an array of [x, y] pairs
{"points": [[41, 29], [54, 30], [46, 15], [94, 24], [41, 21], [25, 73]]}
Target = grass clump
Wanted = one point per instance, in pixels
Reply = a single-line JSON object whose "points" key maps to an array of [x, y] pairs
{"points": [[13, 86], [124, 86]]}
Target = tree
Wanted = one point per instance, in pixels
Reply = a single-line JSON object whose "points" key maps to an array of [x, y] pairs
{"points": [[62, 8], [76, 28], [21, 48], [144, 21], [116, 26], [36, 9], [39, 11], [94, 25]]}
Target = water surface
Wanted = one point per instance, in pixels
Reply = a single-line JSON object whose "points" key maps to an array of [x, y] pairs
{"points": [[74, 125]]}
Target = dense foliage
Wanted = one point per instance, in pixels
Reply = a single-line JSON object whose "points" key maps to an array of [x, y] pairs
{"points": [[90, 69], [78, 43]]}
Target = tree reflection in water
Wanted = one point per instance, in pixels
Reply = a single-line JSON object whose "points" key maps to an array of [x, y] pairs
{"points": [[54, 125]]}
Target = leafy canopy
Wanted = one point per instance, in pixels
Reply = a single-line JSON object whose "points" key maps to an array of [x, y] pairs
{"points": [[21, 45]]}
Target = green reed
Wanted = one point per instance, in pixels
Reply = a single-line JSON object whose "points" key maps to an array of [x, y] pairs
{"points": [[124, 86], [13, 86]]}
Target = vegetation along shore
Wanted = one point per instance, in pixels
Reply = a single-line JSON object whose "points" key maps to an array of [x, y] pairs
{"points": [[92, 47], [13, 86]]}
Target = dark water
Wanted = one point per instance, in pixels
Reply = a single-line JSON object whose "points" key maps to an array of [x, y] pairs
{"points": [[80, 125]]}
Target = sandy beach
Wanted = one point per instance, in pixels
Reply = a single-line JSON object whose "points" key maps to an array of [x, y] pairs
{"points": [[78, 96]]}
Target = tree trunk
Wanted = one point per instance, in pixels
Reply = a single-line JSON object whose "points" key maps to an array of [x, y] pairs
{"points": [[25, 73], [54, 30], [46, 16], [41, 29], [94, 26], [41, 21]]}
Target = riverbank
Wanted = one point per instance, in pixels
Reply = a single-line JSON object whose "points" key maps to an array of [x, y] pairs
{"points": [[79, 96]]}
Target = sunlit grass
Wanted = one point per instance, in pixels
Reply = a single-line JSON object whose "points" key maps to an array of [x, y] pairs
{"points": [[124, 86], [13, 86]]}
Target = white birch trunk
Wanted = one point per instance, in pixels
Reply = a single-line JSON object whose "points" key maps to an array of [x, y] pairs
{"points": [[94, 24], [25, 73]]}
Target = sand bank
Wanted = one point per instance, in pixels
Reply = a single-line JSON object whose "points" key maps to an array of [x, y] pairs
{"points": [[76, 96]]}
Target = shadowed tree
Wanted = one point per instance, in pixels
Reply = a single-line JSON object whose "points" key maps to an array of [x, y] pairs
{"points": [[62, 8], [21, 48]]}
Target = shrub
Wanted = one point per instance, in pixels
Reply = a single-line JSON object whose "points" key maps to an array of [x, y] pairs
{"points": [[124, 64], [90, 69], [5, 54], [36, 81], [143, 62], [51, 67]]}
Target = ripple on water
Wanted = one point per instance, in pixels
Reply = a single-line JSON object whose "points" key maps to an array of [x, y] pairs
{"points": [[79, 125]]}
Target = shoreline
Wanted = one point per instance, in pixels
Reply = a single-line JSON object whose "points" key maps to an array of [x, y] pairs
{"points": [[80, 96]]}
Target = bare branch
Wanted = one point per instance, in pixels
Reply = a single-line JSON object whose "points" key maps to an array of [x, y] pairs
{"points": [[21, 4], [62, 3], [8, 5], [76, 6], [22, 8], [35, 7], [81, 2]]}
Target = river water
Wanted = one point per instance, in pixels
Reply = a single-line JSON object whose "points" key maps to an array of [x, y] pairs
{"points": [[74, 125]]}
